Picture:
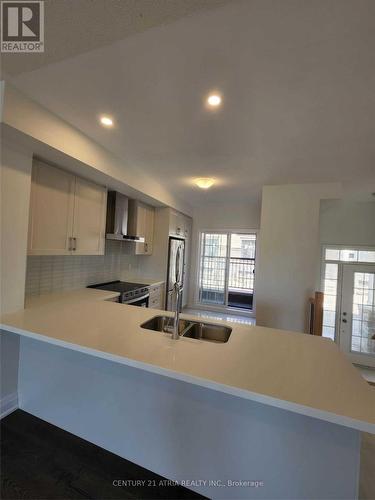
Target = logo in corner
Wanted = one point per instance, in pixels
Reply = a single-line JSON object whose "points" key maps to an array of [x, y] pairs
{"points": [[22, 26]]}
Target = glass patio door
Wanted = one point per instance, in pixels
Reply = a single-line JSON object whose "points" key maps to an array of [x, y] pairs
{"points": [[357, 315], [240, 290], [227, 267], [213, 269]]}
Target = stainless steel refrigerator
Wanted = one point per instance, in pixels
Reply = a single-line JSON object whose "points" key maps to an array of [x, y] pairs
{"points": [[176, 259]]}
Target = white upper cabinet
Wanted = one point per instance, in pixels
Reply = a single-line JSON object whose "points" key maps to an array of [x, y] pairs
{"points": [[89, 218], [67, 213], [51, 211], [187, 227], [141, 223], [149, 229], [176, 224], [179, 224]]}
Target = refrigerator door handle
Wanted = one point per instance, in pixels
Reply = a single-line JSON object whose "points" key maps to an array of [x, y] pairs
{"points": [[178, 270]]}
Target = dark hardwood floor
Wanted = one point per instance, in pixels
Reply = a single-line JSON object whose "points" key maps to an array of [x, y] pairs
{"points": [[40, 461]]}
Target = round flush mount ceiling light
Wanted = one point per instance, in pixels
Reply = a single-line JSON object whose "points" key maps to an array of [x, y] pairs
{"points": [[214, 100], [204, 182], [106, 121]]}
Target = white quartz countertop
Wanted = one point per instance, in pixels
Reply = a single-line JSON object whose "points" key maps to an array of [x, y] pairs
{"points": [[79, 295], [145, 281], [296, 372]]}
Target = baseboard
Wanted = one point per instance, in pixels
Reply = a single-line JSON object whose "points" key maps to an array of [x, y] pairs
{"points": [[8, 404]]}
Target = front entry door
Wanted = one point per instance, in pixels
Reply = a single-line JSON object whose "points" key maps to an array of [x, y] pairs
{"points": [[357, 315]]}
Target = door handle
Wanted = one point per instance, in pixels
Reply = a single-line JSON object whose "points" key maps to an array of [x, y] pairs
{"points": [[178, 257]]}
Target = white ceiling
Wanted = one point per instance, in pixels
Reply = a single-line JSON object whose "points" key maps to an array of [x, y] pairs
{"points": [[298, 80], [76, 26]]}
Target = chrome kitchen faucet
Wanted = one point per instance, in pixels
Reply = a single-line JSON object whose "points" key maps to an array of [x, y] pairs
{"points": [[177, 293]]}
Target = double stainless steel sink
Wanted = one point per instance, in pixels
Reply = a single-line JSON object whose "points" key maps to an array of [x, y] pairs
{"points": [[190, 329]]}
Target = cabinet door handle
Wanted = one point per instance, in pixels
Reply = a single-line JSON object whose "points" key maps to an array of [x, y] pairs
{"points": [[74, 244], [146, 247]]}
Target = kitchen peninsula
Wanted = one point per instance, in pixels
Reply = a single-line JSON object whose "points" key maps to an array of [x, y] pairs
{"points": [[282, 411]]}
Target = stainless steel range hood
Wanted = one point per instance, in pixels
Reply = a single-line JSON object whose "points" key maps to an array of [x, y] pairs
{"points": [[117, 218]]}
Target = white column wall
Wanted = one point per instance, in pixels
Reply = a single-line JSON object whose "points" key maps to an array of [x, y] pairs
{"points": [[289, 253], [15, 197]]}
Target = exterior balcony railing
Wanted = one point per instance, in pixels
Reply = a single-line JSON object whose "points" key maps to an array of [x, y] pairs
{"points": [[240, 284]]}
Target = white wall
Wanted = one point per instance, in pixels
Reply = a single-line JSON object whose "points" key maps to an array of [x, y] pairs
{"points": [[15, 196], [289, 253], [344, 222], [219, 217], [227, 216]]}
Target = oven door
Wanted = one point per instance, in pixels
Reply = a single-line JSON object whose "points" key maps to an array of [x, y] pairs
{"points": [[138, 301]]}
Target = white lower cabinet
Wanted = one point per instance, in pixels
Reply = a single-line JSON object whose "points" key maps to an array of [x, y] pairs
{"points": [[156, 299], [67, 213]]}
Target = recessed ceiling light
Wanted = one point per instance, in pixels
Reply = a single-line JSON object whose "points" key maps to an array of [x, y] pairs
{"points": [[106, 121], [214, 100], [204, 182]]}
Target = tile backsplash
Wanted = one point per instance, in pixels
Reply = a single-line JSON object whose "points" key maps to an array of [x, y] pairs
{"points": [[64, 272]]}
